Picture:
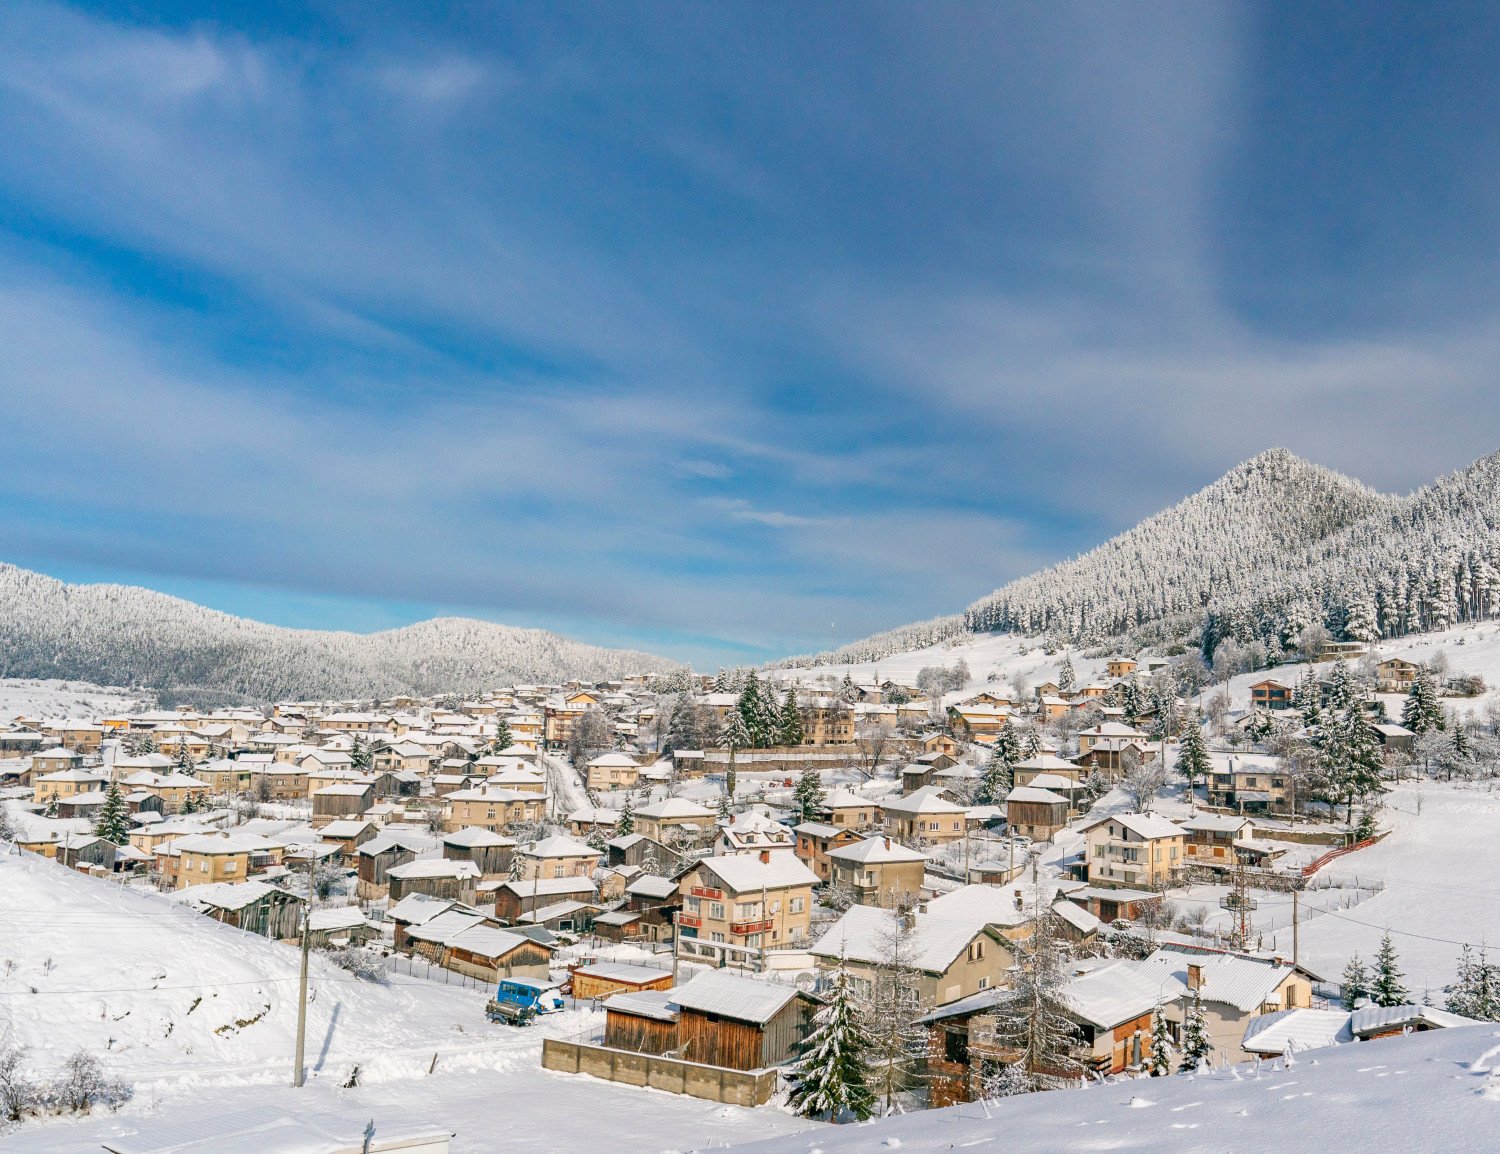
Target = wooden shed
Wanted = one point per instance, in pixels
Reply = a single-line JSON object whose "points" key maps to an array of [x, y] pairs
{"points": [[740, 1023], [602, 979], [488, 850], [1036, 813]]}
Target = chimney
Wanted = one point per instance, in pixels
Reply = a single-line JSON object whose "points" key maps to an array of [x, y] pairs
{"points": [[1194, 976], [765, 857], [887, 843]]}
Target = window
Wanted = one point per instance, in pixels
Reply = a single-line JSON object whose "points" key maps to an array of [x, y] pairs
{"points": [[984, 982], [716, 936], [203, 867], [229, 867], [976, 951], [933, 825], [776, 907], [956, 1046], [1099, 850], [716, 910], [798, 904], [692, 905], [557, 871]]}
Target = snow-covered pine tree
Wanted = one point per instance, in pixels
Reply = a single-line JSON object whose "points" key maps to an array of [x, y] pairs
{"points": [[790, 731], [625, 823], [1159, 1061], [113, 820], [359, 755], [1031, 743], [1007, 745], [1033, 1021], [1005, 1080], [1386, 986], [51, 807], [516, 869], [725, 813], [995, 780], [1067, 678], [1197, 1046], [1423, 711], [1476, 991], [830, 1078], [503, 739], [1192, 754], [182, 761], [1349, 754], [897, 1045], [809, 795], [1355, 987], [736, 736]]}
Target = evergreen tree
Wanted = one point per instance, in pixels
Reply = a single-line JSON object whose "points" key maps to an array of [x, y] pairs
{"points": [[897, 1045], [359, 755], [113, 820], [1422, 710], [1034, 1021], [1067, 679], [181, 762], [1462, 750], [189, 804], [1355, 987], [1349, 751], [515, 870], [830, 1076], [736, 736], [995, 780], [809, 795], [1007, 745], [1192, 755], [1132, 702], [1476, 992], [1386, 988], [1159, 1062], [503, 739], [625, 823], [726, 807], [51, 810], [1197, 1046], [790, 731], [1341, 692], [1031, 743], [721, 681]]}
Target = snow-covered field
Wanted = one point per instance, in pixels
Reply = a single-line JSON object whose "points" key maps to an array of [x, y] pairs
{"points": [[1433, 1091], [178, 1004], [21, 697]]}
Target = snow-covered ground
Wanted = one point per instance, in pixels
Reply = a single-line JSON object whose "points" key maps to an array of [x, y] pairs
{"points": [[21, 697], [1433, 1091], [200, 1018]]}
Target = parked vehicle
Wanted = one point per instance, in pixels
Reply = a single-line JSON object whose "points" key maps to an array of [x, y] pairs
{"points": [[519, 1000]]}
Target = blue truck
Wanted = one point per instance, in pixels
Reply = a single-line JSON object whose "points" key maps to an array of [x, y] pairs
{"points": [[519, 1000]]}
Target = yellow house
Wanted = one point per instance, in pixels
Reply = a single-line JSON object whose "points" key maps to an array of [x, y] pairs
{"points": [[493, 809], [613, 771], [737, 905], [924, 817], [656, 821], [556, 857], [219, 857], [1134, 849], [65, 783]]}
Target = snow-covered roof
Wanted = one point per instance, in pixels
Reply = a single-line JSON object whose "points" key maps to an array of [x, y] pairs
{"points": [[734, 996], [1112, 994], [1035, 795], [1214, 823], [623, 972], [922, 801], [1243, 982], [876, 851], [337, 918], [654, 1004], [548, 887], [558, 846], [674, 807], [1143, 825], [547, 913], [847, 799], [1296, 1030], [473, 837], [743, 872], [486, 941], [651, 886], [227, 895], [414, 909], [1378, 1019]]}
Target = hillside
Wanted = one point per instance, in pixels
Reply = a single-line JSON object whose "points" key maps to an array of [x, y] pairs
{"points": [[1275, 545], [123, 635], [1433, 1091]]}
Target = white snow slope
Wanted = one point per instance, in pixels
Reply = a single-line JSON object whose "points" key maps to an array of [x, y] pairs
{"points": [[1433, 1091]]}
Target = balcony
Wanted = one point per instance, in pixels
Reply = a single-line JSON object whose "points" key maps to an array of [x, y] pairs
{"points": [[691, 921], [706, 892], [753, 927]]}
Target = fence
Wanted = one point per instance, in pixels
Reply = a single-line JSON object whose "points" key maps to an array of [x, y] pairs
{"points": [[420, 968], [1334, 854], [712, 1083]]}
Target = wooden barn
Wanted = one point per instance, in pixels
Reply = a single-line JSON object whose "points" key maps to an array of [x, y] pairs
{"points": [[717, 1019], [1036, 813], [486, 951], [601, 979], [488, 850], [378, 856], [253, 907], [435, 877]]}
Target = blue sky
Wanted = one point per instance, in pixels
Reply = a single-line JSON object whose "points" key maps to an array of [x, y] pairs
{"points": [[723, 330]]}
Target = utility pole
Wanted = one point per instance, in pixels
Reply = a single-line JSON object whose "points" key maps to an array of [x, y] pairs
{"points": [[298, 1071], [1295, 896]]}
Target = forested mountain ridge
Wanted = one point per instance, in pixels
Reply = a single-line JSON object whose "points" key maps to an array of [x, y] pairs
{"points": [[124, 635], [1276, 545]]}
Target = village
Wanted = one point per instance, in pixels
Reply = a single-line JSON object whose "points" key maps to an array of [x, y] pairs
{"points": [[710, 886]]}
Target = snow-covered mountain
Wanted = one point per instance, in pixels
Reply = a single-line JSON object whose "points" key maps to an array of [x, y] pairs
{"points": [[1273, 546], [123, 635]]}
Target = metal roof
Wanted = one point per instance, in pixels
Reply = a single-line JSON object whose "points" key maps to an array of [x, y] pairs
{"points": [[732, 996]]}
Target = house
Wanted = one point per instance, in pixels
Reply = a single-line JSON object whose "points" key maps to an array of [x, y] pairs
{"points": [[558, 856], [1035, 812], [339, 926], [490, 952], [953, 952], [435, 877], [878, 872], [514, 900], [1211, 838], [1134, 849], [1292, 1031], [1251, 784], [1232, 988], [419, 909], [1270, 694], [1396, 675], [1395, 737], [341, 800], [494, 809], [1048, 764], [53, 760], [1119, 667], [846, 809], [673, 818], [612, 771], [251, 906], [815, 840], [377, 857], [593, 819], [633, 849], [940, 743], [349, 834], [200, 859], [924, 818], [751, 832], [719, 1018], [488, 850], [601, 979], [64, 783], [740, 904]]}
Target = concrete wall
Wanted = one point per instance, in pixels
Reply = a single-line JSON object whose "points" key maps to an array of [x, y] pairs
{"points": [[712, 1083]]}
